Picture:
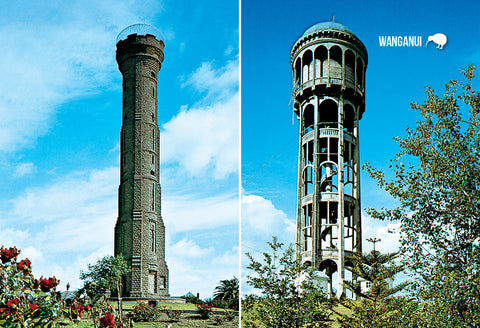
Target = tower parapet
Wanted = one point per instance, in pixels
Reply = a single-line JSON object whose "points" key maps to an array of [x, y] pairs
{"points": [[328, 64], [140, 231]]}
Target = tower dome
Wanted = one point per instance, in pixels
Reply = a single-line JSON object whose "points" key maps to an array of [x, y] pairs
{"points": [[328, 25]]}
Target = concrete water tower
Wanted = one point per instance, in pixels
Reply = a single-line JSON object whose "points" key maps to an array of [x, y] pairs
{"points": [[140, 232], [329, 64]]}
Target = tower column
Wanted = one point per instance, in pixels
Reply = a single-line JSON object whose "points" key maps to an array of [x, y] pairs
{"points": [[140, 231], [329, 107]]}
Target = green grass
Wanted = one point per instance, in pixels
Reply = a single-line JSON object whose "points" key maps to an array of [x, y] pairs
{"points": [[174, 306], [140, 325]]}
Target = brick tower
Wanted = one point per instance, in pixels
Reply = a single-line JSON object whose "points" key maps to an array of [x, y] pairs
{"points": [[329, 63], [139, 231]]}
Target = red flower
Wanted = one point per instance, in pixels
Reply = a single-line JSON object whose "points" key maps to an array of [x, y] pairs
{"points": [[13, 302], [25, 266], [76, 311], [4, 312], [33, 306], [107, 321], [47, 284], [8, 253], [88, 308]]}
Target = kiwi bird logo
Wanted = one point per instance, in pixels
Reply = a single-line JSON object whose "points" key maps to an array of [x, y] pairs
{"points": [[440, 39]]}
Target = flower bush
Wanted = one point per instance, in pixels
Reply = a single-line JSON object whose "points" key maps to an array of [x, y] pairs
{"points": [[204, 309], [142, 312], [24, 300], [173, 315], [108, 320], [218, 319]]}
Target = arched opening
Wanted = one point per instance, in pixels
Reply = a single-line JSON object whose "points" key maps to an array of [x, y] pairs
{"points": [[307, 227], [308, 119], [328, 214], [328, 177], [308, 153], [297, 73], [348, 178], [321, 55], [328, 114], [330, 267], [349, 227], [348, 118], [307, 66], [350, 66], [336, 62], [360, 74], [307, 180]]}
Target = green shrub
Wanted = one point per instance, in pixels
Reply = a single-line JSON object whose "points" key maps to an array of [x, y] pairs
{"points": [[142, 312], [173, 315], [204, 309]]}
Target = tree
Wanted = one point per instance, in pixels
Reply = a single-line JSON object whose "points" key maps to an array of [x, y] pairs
{"points": [[436, 180], [377, 306], [227, 292], [287, 300], [104, 276]]}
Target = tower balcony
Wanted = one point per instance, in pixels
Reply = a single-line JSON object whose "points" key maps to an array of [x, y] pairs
{"points": [[326, 82]]}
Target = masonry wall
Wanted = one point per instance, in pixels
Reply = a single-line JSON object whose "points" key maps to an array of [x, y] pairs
{"points": [[140, 231]]}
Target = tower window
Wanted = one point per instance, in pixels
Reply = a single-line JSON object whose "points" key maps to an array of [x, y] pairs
{"points": [[153, 139], [153, 197], [153, 92], [153, 74], [154, 238]]}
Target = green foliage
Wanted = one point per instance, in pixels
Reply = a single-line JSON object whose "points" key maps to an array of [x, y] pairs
{"points": [[226, 294], [378, 269], [219, 319], [437, 183], [193, 300], [286, 301], [101, 278], [173, 315], [143, 312], [104, 276], [378, 307], [204, 309]]}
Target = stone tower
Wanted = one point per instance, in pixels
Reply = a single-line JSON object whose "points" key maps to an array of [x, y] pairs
{"points": [[140, 232], [329, 63]]}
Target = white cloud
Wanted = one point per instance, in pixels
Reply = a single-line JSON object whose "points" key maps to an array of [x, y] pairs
{"points": [[200, 275], [387, 231], [24, 169], [203, 139], [62, 225], [186, 213], [260, 221], [53, 60], [68, 223], [215, 81], [260, 217], [229, 258], [188, 248], [71, 201]]}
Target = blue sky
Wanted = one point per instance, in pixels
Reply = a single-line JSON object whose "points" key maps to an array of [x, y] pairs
{"points": [[60, 103], [394, 77]]}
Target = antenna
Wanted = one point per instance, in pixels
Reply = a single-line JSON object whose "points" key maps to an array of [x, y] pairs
{"points": [[333, 18], [374, 241]]}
